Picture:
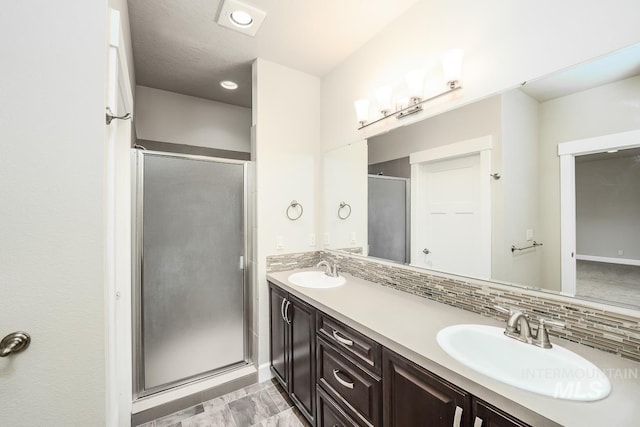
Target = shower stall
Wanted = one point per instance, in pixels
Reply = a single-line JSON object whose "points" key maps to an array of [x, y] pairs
{"points": [[190, 302]]}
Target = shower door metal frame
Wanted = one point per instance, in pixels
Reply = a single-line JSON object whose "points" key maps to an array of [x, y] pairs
{"points": [[138, 274]]}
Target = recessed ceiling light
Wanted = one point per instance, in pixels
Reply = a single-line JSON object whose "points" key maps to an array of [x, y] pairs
{"points": [[241, 18], [228, 84], [612, 151]]}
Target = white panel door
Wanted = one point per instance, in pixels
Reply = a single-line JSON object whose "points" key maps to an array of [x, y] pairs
{"points": [[450, 234], [52, 204]]}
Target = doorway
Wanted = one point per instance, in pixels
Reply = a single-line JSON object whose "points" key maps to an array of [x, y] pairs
{"points": [[600, 256]]}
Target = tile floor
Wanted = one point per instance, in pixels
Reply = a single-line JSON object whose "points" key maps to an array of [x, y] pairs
{"points": [[258, 405]]}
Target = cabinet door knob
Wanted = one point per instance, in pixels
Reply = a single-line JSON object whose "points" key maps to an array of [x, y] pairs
{"points": [[477, 422], [341, 340], [457, 417], [347, 384]]}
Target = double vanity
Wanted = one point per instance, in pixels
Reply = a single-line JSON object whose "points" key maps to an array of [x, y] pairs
{"points": [[350, 352]]}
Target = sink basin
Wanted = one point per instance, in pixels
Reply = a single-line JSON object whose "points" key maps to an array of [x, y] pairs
{"points": [[555, 372], [316, 280]]}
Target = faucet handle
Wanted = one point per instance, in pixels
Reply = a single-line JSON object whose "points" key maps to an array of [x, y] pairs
{"points": [[506, 310], [333, 270], [502, 309], [542, 335], [542, 321]]}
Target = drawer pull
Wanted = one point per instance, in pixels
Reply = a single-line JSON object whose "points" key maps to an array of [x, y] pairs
{"points": [[347, 384], [457, 417], [477, 422], [341, 340]]}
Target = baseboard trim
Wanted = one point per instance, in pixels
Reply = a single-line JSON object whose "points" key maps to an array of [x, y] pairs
{"points": [[610, 260], [264, 372]]}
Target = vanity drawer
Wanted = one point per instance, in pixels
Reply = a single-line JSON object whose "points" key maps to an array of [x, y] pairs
{"points": [[364, 349], [351, 386], [330, 414]]}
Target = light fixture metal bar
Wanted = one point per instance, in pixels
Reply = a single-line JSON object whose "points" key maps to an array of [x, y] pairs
{"points": [[399, 113]]}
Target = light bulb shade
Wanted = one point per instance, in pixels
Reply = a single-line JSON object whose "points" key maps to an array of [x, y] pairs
{"points": [[415, 83], [362, 110], [383, 95], [452, 65]]}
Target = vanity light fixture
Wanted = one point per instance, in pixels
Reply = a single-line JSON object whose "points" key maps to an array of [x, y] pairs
{"points": [[362, 111], [228, 84], [415, 84], [383, 96], [452, 66]]}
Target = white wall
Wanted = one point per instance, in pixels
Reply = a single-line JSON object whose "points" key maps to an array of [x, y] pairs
{"points": [[520, 185], [52, 214], [180, 119], [288, 162], [123, 8], [600, 111], [608, 207], [505, 44]]}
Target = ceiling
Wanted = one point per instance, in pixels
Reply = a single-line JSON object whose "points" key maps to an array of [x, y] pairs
{"points": [[179, 47], [622, 64]]}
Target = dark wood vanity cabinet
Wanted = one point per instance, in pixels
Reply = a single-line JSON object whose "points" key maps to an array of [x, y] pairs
{"points": [[486, 415], [356, 390], [339, 377], [292, 348], [330, 414], [415, 397]]}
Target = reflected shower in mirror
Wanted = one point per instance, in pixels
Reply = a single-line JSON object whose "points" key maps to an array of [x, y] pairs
{"points": [[485, 177]]}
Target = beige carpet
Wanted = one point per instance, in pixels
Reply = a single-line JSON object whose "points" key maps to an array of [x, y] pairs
{"points": [[609, 282]]}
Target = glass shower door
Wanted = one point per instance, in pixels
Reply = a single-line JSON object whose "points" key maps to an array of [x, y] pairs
{"points": [[191, 320]]}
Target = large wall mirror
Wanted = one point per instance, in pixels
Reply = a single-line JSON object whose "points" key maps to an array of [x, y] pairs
{"points": [[479, 191]]}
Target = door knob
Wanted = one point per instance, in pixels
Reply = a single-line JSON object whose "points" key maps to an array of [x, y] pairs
{"points": [[14, 343], [426, 251]]}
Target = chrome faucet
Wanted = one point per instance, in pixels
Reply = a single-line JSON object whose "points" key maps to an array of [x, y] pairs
{"points": [[518, 328], [329, 270]]}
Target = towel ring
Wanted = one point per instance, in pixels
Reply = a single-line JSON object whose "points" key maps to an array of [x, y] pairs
{"points": [[294, 205], [342, 206]]}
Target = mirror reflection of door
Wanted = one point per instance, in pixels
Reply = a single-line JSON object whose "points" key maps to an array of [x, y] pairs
{"points": [[450, 215], [608, 226]]}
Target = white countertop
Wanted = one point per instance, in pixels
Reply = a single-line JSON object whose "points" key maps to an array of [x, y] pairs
{"points": [[408, 324]]}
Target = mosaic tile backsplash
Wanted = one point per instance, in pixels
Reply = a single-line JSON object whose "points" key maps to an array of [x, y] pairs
{"points": [[608, 331], [293, 261]]}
